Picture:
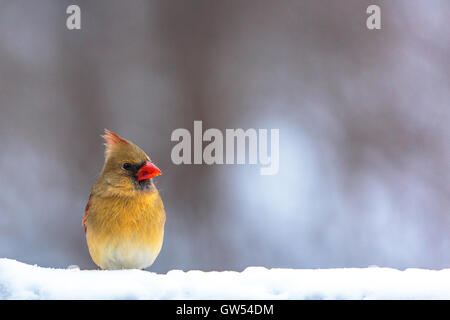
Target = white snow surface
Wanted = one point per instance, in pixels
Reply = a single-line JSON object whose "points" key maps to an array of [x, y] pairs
{"points": [[22, 281]]}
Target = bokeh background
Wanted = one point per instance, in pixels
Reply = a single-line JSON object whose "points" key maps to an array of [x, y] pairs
{"points": [[363, 118]]}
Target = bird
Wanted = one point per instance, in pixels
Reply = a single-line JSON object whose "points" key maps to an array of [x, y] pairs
{"points": [[124, 218]]}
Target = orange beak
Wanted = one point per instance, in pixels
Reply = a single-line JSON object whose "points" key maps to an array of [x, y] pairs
{"points": [[148, 171]]}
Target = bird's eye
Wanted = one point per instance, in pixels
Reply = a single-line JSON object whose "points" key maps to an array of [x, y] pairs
{"points": [[126, 166]]}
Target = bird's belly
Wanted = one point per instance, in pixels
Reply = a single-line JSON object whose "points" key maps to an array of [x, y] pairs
{"points": [[127, 257], [112, 253]]}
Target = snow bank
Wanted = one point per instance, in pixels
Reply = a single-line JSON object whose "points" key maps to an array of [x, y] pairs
{"points": [[22, 281]]}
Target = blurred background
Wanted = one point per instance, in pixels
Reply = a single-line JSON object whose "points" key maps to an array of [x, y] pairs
{"points": [[363, 118]]}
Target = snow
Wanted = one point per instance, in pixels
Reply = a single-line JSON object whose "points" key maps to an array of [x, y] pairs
{"points": [[22, 281]]}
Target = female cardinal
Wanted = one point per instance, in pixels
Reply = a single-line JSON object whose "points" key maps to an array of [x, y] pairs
{"points": [[124, 217]]}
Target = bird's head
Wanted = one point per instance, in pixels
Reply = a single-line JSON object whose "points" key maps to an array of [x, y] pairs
{"points": [[128, 169]]}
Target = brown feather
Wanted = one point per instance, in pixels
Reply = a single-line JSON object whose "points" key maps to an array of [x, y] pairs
{"points": [[85, 216], [112, 139]]}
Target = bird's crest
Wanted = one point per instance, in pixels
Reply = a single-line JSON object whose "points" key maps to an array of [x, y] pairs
{"points": [[112, 139]]}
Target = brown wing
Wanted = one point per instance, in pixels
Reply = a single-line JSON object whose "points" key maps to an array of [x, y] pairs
{"points": [[84, 221]]}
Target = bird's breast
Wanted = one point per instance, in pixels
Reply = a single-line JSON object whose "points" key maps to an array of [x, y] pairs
{"points": [[125, 233]]}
